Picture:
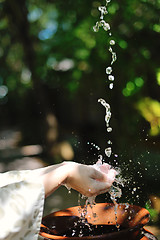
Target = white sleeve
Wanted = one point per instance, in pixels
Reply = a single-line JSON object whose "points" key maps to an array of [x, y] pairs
{"points": [[21, 210]]}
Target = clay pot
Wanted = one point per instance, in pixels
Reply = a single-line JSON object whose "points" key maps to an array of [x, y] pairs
{"points": [[130, 218]]}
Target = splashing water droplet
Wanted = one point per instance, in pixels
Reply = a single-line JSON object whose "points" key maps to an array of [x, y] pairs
{"points": [[108, 70], [107, 118], [96, 27], [109, 129], [106, 26], [115, 192], [114, 57], [111, 78], [103, 11], [111, 85], [103, 102], [110, 49], [100, 158], [108, 151], [112, 42]]}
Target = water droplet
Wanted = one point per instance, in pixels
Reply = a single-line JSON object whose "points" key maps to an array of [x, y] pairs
{"points": [[114, 57], [100, 158], [107, 117], [108, 151], [103, 102], [110, 49], [111, 78], [109, 142], [112, 42], [108, 70], [126, 205], [103, 11], [96, 27], [111, 85], [109, 129], [107, 1], [104, 24]]}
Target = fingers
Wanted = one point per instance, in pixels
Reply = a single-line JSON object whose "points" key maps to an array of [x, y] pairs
{"points": [[111, 175], [105, 168], [101, 180], [98, 188], [88, 180], [95, 174], [102, 186]]}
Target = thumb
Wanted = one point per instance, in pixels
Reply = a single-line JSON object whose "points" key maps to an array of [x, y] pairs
{"points": [[101, 187]]}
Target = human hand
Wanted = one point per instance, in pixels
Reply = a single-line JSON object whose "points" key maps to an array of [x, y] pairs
{"points": [[88, 180], [109, 172]]}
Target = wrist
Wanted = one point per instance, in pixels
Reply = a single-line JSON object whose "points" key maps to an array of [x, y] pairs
{"points": [[71, 173], [54, 178]]}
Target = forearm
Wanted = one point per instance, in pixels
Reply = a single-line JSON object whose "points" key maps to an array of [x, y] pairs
{"points": [[53, 177]]}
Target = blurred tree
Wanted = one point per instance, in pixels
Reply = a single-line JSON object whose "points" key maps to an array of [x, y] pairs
{"points": [[52, 66]]}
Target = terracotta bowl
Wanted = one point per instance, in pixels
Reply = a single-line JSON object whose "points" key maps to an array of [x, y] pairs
{"points": [[130, 218]]}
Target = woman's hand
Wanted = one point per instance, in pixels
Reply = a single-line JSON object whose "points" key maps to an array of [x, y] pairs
{"points": [[83, 178], [89, 181]]}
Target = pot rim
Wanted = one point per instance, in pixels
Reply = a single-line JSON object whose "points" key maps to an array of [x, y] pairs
{"points": [[51, 236], [133, 229]]}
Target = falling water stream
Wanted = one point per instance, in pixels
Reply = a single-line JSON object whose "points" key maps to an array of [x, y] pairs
{"points": [[115, 191]]}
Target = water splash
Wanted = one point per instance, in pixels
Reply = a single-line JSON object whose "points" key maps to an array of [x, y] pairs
{"points": [[115, 191]]}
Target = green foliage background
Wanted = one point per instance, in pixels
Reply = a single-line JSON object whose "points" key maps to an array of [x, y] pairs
{"points": [[39, 37]]}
